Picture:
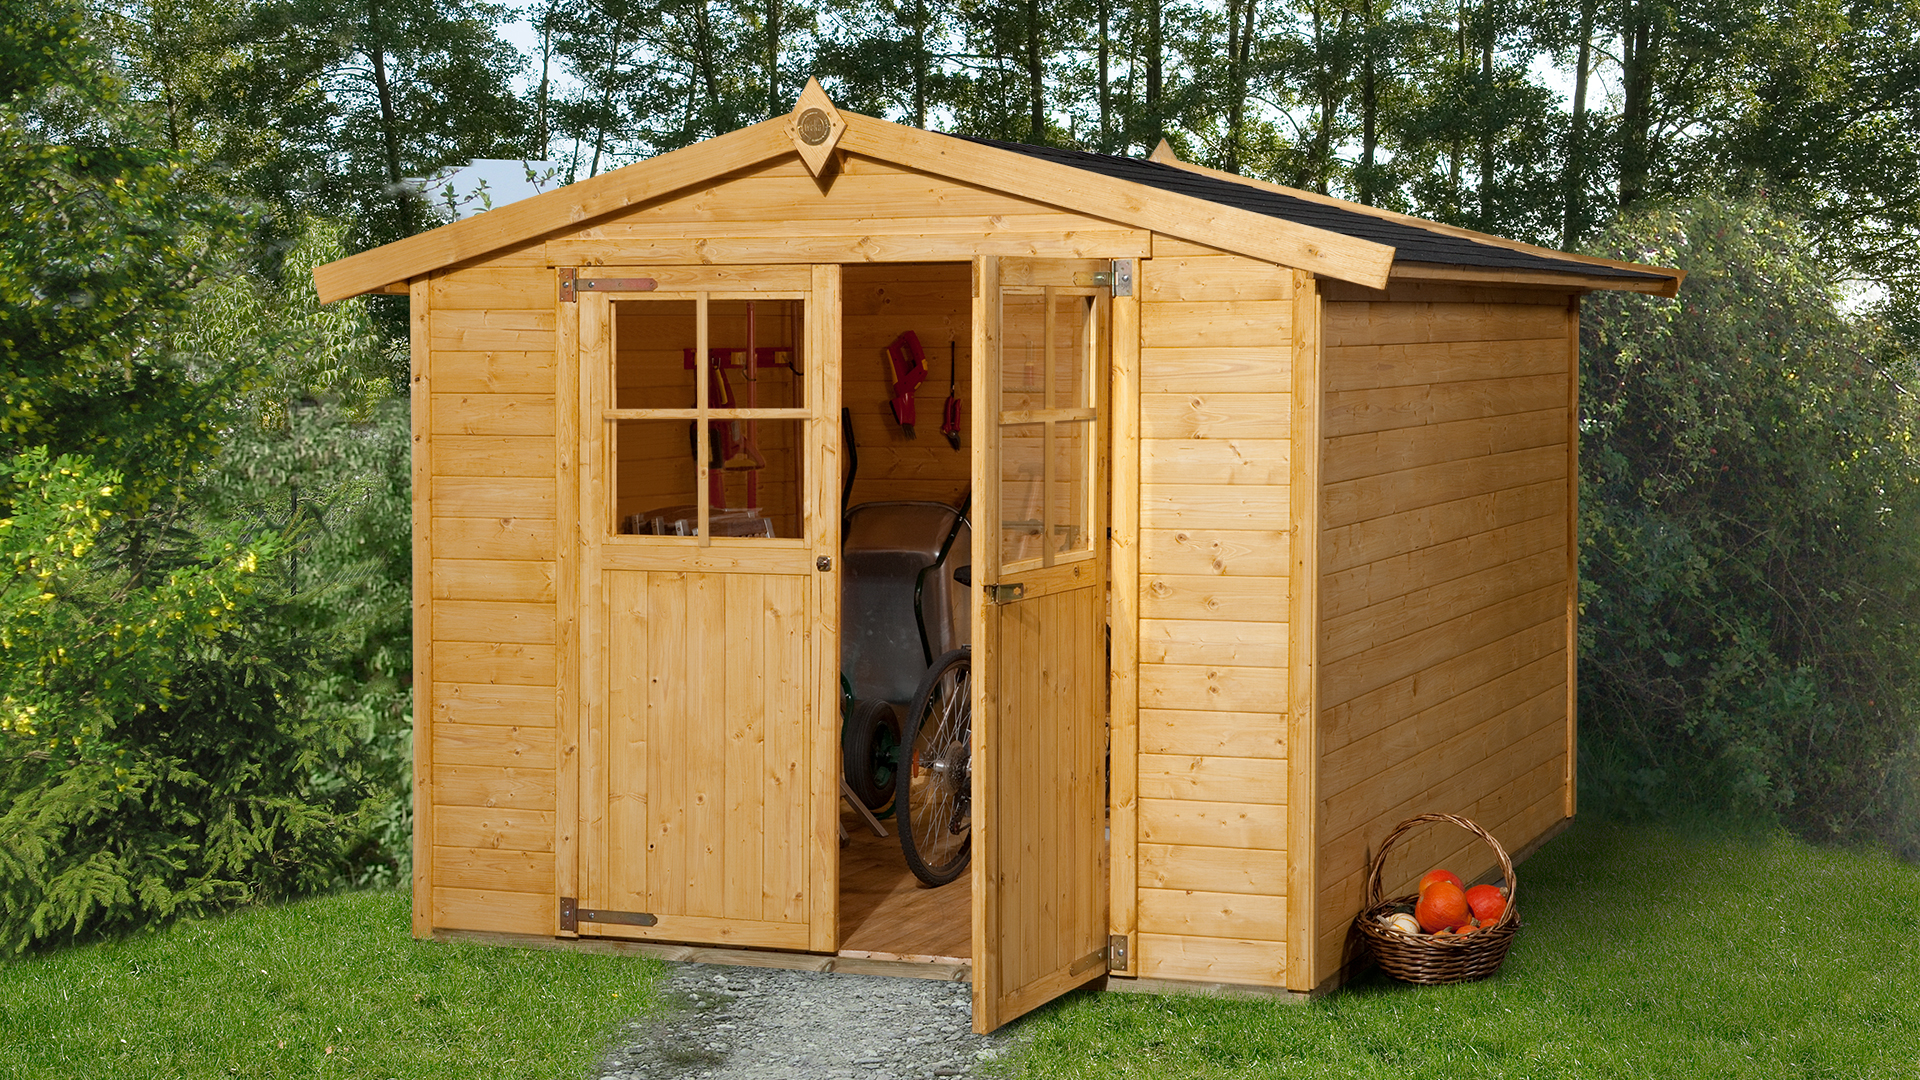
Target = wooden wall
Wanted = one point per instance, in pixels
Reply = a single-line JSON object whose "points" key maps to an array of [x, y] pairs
{"points": [[485, 525], [934, 300], [1215, 409], [1445, 582]]}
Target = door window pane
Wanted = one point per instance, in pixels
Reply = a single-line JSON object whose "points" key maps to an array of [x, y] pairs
{"points": [[1072, 352], [1023, 350], [653, 343], [1072, 503], [773, 331], [1022, 491]]}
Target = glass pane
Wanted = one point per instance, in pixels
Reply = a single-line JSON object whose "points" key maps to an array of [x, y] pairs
{"points": [[1022, 491], [1072, 506], [1072, 334], [654, 477], [774, 331], [1023, 350], [757, 483], [653, 343]]}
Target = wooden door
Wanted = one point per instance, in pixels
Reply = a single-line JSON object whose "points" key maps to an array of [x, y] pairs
{"points": [[708, 521], [1039, 556]]}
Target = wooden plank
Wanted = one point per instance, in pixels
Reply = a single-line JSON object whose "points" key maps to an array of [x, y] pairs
{"points": [[493, 828], [930, 246], [513, 746], [1262, 553], [511, 329], [581, 201], [497, 371], [1439, 525], [1377, 496], [1213, 824], [494, 909], [1385, 408], [493, 579], [1191, 731], [1372, 367], [1215, 416], [1222, 462], [494, 455], [1573, 551], [1372, 453], [1012, 217], [488, 287], [879, 191], [1187, 913], [1366, 671], [817, 699], [1124, 612], [1358, 718], [1215, 643], [493, 414], [1214, 506], [1205, 598], [1215, 278], [508, 538], [1213, 779], [1212, 869], [482, 662], [1171, 369], [1215, 323], [1351, 590], [1243, 232], [1402, 616], [481, 868], [1397, 323], [494, 496], [496, 704], [1213, 960], [421, 469], [1204, 689], [505, 787], [493, 620], [1305, 676]]}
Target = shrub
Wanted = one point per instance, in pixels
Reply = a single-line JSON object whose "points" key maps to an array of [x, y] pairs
{"points": [[1750, 536]]}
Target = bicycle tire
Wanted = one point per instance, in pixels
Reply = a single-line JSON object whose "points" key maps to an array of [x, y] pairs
{"points": [[870, 751], [933, 798]]}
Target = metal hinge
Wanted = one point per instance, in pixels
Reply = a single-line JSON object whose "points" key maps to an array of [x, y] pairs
{"points": [[572, 915], [1119, 279], [572, 284], [566, 284], [1117, 953], [1005, 594]]}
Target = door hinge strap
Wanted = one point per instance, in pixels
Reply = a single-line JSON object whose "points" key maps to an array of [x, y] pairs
{"points": [[1094, 959], [1005, 594], [1118, 280], [566, 284], [1117, 953], [572, 915], [615, 284]]}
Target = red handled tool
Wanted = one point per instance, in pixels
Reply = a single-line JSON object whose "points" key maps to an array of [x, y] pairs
{"points": [[908, 365], [950, 414]]}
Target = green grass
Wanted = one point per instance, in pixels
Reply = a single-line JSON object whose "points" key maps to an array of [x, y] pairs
{"points": [[329, 987], [1645, 952]]}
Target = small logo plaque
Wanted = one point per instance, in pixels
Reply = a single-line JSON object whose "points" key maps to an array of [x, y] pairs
{"points": [[814, 127]]}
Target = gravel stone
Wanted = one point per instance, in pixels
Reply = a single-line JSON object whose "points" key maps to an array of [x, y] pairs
{"points": [[727, 1023]]}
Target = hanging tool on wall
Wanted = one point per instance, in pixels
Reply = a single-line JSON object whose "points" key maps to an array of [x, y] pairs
{"points": [[908, 366], [950, 413]]}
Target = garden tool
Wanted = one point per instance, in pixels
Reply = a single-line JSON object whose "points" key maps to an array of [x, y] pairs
{"points": [[950, 413], [908, 365]]}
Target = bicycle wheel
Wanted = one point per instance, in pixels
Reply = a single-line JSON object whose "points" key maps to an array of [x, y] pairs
{"points": [[870, 748], [934, 798]]}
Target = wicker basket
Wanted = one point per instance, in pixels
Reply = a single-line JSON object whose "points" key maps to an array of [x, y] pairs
{"points": [[1426, 959]]}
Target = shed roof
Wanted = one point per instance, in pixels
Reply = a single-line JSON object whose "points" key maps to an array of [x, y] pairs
{"points": [[1326, 236]]}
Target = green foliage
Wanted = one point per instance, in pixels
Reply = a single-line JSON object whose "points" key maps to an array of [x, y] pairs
{"points": [[133, 661], [1750, 525]]}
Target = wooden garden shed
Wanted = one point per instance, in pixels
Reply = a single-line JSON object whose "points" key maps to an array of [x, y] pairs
{"points": [[1283, 500]]}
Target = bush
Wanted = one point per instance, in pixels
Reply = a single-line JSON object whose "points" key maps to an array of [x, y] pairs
{"points": [[1750, 537]]}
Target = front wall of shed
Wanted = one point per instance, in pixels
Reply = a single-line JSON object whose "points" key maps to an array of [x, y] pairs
{"points": [[1215, 408], [1446, 583]]}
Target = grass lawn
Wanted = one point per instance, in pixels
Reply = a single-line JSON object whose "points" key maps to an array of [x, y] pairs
{"points": [[1645, 952], [329, 987]]}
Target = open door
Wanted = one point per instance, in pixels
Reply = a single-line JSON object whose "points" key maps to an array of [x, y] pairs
{"points": [[708, 521], [1040, 678]]}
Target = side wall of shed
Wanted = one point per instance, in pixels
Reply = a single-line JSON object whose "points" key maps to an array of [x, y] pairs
{"points": [[1215, 408], [485, 534], [1446, 582]]}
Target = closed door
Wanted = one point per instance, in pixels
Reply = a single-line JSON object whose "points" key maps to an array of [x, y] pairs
{"points": [[708, 522]]}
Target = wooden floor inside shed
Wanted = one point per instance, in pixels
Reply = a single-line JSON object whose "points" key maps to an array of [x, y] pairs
{"points": [[886, 914]]}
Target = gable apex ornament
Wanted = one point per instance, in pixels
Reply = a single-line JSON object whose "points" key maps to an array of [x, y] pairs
{"points": [[815, 127]]}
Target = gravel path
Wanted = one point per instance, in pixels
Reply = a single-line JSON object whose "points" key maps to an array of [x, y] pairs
{"points": [[735, 1023]]}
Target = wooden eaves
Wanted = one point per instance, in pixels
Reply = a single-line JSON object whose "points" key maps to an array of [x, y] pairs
{"points": [[1284, 243], [1414, 271]]}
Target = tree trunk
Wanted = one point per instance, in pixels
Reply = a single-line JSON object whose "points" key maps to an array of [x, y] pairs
{"points": [[1576, 137], [1454, 150], [606, 88], [703, 62], [1639, 52], [1486, 115], [390, 131], [1036, 79], [1154, 73], [920, 64], [1369, 107], [1103, 57], [1239, 61], [542, 134], [772, 60]]}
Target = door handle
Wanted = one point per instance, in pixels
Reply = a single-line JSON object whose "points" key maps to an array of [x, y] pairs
{"points": [[823, 563]]}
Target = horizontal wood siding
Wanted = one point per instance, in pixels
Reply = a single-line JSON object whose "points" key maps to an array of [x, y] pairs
{"points": [[490, 609], [879, 303], [1444, 580], [1215, 413]]}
